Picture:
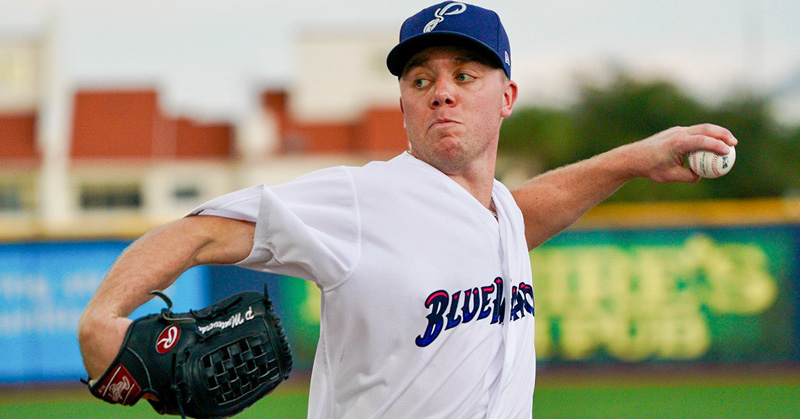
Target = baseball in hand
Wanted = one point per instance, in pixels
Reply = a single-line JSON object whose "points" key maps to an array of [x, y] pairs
{"points": [[708, 164]]}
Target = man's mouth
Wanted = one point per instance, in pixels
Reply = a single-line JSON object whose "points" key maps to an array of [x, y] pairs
{"points": [[443, 122]]}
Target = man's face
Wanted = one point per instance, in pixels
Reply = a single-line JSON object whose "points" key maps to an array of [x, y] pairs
{"points": [[453, 105]]}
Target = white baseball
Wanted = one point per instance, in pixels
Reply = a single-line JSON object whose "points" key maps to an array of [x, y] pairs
{"points": [[708, 164]]}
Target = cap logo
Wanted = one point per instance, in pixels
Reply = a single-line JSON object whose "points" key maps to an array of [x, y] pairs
{"points": [[440, 13]]}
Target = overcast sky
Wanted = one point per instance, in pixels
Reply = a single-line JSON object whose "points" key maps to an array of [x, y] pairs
{"points": [[211, 53]]}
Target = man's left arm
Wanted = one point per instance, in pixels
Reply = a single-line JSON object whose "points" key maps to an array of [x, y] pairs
{"points": [[554, 200]]}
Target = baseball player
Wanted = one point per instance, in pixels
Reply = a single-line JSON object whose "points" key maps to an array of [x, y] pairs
{"points": [[427, 299]]}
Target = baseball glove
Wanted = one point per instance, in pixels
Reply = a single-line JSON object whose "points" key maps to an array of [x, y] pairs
{"points": [[211, 363]]}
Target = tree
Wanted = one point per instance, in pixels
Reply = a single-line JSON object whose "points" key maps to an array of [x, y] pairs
{"points": [[627, 109]]}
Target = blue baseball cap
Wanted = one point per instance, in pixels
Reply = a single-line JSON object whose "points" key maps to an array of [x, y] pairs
{"points": [[452, 23]]}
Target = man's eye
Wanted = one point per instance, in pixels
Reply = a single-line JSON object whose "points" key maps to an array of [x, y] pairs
{"points": [[464, 77], [421, 83]]}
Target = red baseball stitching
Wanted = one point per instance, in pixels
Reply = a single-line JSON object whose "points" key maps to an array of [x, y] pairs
{"points": [[714, 164]]}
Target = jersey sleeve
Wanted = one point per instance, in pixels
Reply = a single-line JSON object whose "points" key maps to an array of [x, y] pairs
{"points": [[307, 228]]}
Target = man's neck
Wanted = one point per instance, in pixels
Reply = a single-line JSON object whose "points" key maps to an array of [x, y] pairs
{"points": [[479, 186]]}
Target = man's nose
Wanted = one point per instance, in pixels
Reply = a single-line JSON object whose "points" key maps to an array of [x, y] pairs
{"points": [[443, 94]]}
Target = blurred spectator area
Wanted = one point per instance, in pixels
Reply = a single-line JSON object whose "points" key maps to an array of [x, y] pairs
{"points": [[132, 163], [86, 157]]}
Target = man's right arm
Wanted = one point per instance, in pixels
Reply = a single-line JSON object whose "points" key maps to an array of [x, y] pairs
{"points": [[554, 200], [154, 262]]}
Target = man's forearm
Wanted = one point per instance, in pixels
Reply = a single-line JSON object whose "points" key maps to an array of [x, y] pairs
{"points": [[556, 199], [153, 262]]}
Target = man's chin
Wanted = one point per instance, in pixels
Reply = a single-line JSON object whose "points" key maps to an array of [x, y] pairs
{"points": [[448, 160]]}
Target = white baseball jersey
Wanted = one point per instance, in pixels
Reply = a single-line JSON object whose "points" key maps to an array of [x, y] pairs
{"points": [[427, 299]]}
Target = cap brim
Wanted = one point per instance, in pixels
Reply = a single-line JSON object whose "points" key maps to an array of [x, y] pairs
{"points": [[399, 55]]}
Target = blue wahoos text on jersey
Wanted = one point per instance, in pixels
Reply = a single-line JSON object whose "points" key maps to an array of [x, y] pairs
{"points": [[450, 310]]}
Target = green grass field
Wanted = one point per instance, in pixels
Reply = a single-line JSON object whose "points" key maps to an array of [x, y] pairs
{"points": [[574, 394]]}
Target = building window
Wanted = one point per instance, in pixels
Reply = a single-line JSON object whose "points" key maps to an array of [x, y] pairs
{"points": [[10, 198], [94, 197], [186, 192]]}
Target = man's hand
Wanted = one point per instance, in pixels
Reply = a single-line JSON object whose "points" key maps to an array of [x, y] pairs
{"points": [[661, 157]]}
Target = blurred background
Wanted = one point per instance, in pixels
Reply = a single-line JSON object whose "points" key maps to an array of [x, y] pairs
{"points": [[665, 301]]}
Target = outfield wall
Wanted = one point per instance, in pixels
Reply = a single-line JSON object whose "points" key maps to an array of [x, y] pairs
{"points": [[688, 282], [674, 294], [44, 287]]}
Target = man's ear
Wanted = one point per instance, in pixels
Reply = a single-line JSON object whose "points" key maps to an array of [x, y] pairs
{"points": [[403, 112], [509, 98]]}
